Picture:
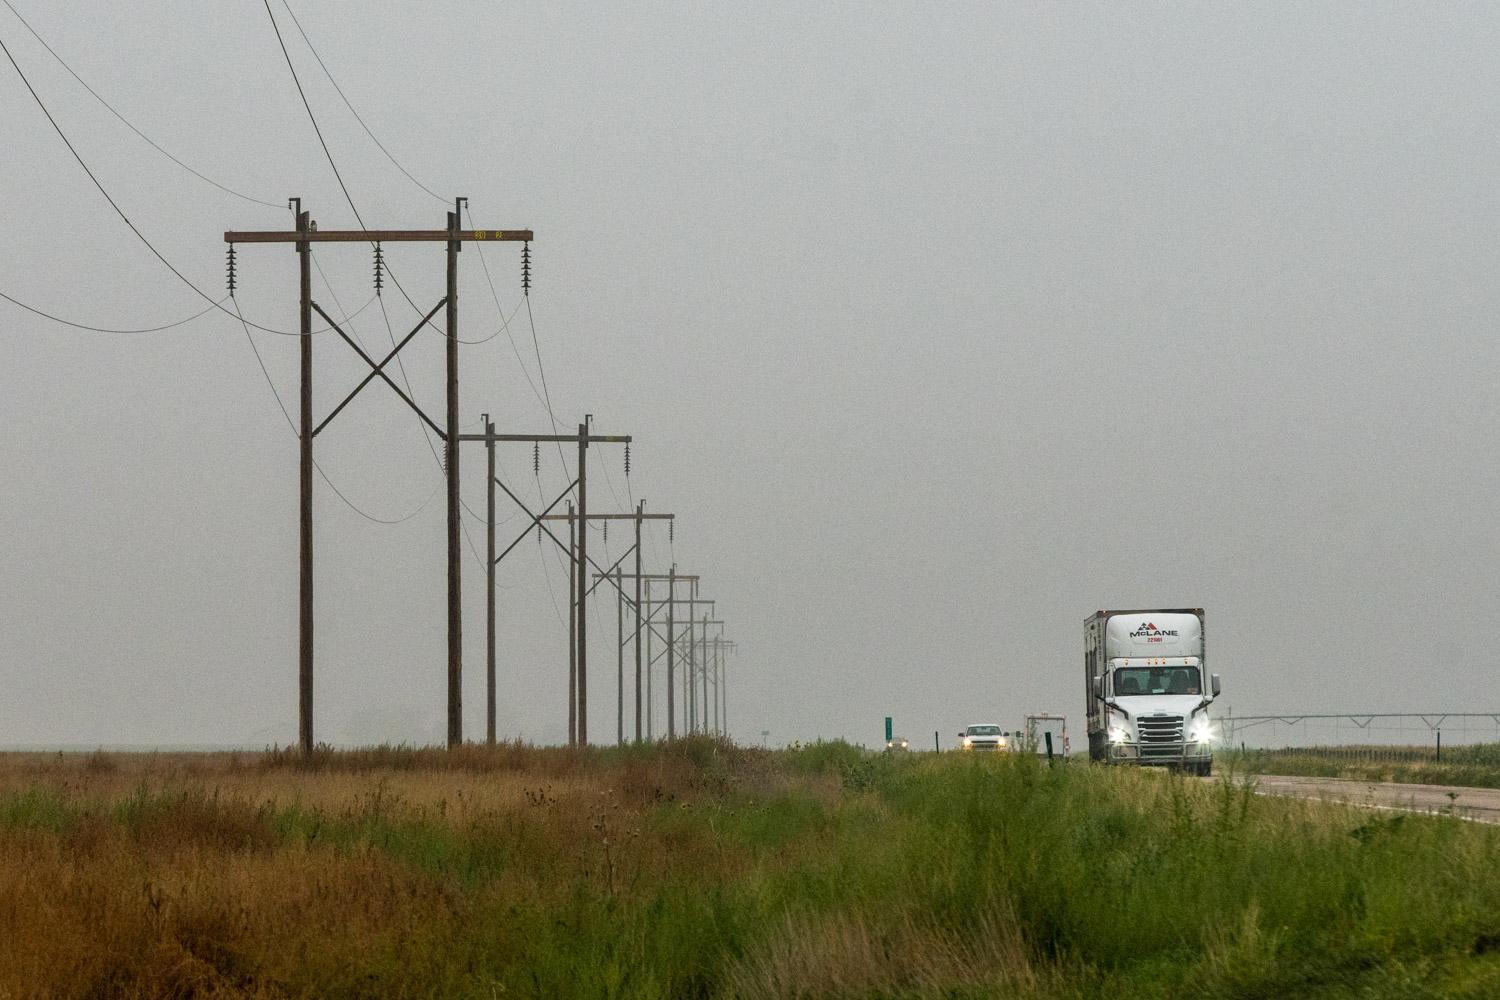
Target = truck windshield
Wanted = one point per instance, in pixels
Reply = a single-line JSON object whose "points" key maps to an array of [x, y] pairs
{"points": [[984, 731], [1156, 680]]}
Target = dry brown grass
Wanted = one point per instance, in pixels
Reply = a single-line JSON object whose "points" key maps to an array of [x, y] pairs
{"points": [[700, 870], [179, 875], [899, 954]]}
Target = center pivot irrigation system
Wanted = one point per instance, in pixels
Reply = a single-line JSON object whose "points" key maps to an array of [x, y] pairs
{"points": [[697, 648]]}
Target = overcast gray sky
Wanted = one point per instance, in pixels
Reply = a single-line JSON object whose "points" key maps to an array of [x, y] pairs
{"points": [[940, 327]]}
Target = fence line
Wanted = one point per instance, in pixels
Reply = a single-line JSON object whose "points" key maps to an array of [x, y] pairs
{"points": [[1369, 732]]}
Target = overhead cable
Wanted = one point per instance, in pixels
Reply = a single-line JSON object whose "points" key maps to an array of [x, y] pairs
{"points": [[121, 212], [128, 123], [106, 329], [350, 106]]}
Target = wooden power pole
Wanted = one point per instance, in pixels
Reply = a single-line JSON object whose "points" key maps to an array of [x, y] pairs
{"points": [[302, 238], [576, 547]]}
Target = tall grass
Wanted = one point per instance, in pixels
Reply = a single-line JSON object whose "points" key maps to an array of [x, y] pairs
{"points": [[698, 869]]}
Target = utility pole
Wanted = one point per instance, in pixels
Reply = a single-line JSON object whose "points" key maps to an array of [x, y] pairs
{"points": [[722, 649], [489, 590], [671, 656], [455, 603], [572, 629], [582, 654], [619, 659], [577, 549], [640, 515], [704, 669], [303, 237], [671, 579], [705, 672], [689, 683], [305, 435], [692, 644], [675, 643], [615, 576], [650, 727]]}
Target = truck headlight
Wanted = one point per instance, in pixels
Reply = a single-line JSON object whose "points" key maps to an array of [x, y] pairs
{"points": [[968, 742], [1117, 735], [1203, 731]]}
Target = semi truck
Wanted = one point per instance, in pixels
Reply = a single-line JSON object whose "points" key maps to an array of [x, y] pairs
{"points": [[1148, 703]]}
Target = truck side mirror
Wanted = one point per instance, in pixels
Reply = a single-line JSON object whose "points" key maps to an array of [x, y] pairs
{"points": [[1213, 679], [1098, 686]]}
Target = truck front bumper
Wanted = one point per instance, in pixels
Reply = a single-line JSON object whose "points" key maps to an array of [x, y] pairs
{"points": [[1160, 754]]}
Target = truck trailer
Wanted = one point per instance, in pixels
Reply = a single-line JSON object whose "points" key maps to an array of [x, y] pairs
{"points": [[1145, 685]]}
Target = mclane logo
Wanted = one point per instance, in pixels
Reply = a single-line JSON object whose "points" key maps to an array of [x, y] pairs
{"points": [[1151, 633]]}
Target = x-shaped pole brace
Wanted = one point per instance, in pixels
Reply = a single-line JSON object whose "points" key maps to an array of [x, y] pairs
{"points": [[681, 646], [536, 522], [608, 572], [536, 519], [379, 369]]}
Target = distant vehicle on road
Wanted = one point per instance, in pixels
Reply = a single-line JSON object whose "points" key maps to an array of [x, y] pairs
{"points": [[984, 737], [1147, 702], [897, 743]]}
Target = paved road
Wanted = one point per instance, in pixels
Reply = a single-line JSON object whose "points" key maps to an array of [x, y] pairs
{"points": [[1479, 804]]}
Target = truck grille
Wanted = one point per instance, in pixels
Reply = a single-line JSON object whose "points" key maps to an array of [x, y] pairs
{"points": [[1161, 735]]}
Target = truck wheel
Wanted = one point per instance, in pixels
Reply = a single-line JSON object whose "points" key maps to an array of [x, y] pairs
{"points": [[1206, 769]]}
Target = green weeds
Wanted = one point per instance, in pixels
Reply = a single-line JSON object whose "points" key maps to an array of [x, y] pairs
{"points": [[704, 870]]}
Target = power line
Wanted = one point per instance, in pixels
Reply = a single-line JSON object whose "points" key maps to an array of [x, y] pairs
{"points": [[291, 67], [128, 124], [328, 154], [311, 117], [504, 326], [542, 372], [165, 326], [121, 212], [352, 207], [350, 106], [504, 320], [105, 329]]}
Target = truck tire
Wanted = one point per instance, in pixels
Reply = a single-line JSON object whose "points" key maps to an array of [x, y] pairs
{"points": [[1206, 769]]}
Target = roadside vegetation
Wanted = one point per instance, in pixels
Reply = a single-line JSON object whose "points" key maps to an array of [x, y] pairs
{"points": [[698, 869], [1472, 766]]}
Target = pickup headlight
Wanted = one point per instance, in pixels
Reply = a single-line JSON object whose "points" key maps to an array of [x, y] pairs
{"points": [[968, 742]]}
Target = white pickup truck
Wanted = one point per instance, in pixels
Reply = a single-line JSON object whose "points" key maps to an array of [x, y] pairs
{"points": [[985, 737]]}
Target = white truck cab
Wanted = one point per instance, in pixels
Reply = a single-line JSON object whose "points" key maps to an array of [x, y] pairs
{"points": [[1148, 695]]}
